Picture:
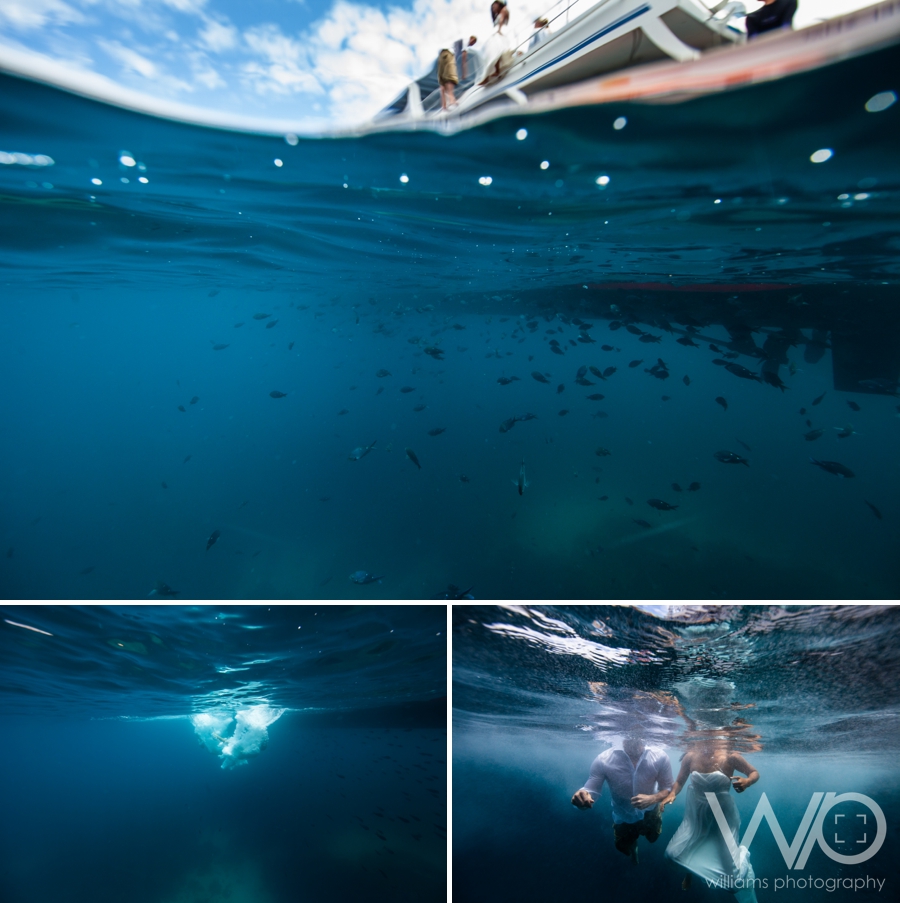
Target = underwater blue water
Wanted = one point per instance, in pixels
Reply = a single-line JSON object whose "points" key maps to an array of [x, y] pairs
{"points": [[807, 696], [112, 790], [448, 263]]}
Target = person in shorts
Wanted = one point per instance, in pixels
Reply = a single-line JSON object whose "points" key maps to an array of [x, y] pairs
{"points": [[448, 78], [639, 778]]}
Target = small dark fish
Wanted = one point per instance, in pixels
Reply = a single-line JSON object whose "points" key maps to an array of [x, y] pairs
{"points": [[715, 348], [536, 374], [343, 411], [212, 539], [719, 362], [435, 352], [556, 349], [647, 337], [437, 431], [634, 330], [382, 373], [506, 380], [276, 394], [636, 363], [812, 435], [290, 346], [524, 417], [412, 457], [833, 467], [607, 348], [600, 414], [875, 511], [614, 325], [742, 444], [87, 570], [819, 399], [464, 479], [238, 325], [407, 389], [195, 399], [596, 371], [660, 505], [628, 500], [771, 378], [855, 407], [666, 397], [602, 452], [676, 487], [582, 371], [182, 408], [686, 380], [687, 341], [603, 498], [164, 485], [379, 390], [507, 425], [608, 372], [720, 400], [694, 487], [521, 484], [596, 397], [560, 388], [742, 372], [582, 381], [261, 316], [219, 347], [730, 457], [188, 458], [563, 412], [271, 324], [420, 407], [643, 523]]}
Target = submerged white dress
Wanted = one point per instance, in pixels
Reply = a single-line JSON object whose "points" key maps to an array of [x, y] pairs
{"points": [[699, 845]]}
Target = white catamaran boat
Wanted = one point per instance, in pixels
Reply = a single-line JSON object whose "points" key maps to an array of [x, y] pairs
{"points": [[584, 39], [637, 50]]}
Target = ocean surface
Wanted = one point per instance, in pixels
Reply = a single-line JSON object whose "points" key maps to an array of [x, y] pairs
{"points": [[223, 754], [808, 696], [246, 366]]}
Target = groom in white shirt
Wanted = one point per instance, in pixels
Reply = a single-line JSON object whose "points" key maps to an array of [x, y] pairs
{"points": [[639, 778]]}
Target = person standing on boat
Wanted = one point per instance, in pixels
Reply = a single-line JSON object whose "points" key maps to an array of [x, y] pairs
{"points": [[639, 778], [541, 33], [773, 15], [448, 78], [498, 52], [470, 60]]}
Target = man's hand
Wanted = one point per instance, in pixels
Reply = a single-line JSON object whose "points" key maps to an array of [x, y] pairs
{"points": [[582, 800], [644, 800], [740, 784]]}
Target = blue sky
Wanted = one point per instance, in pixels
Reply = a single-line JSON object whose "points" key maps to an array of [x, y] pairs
{"points": [[314, 62]]}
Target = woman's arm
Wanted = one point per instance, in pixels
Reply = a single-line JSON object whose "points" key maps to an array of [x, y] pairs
{"points": [[682, 779], [739, 763]]}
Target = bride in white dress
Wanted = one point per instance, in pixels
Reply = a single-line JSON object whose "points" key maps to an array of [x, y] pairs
{"points": [[699, 844]]}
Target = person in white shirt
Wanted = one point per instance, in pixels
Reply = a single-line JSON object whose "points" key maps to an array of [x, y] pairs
{"points": [[639, 778]]}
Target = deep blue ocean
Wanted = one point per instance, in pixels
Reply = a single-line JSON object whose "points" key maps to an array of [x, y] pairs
{"points": [[223, 754], [322, 352], [808, 696]]}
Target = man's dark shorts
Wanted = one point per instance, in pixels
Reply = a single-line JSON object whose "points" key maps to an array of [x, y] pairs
{"points": [[628, 833]]}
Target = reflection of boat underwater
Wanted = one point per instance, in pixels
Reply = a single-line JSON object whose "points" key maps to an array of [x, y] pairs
{"points": [[615, 50]]}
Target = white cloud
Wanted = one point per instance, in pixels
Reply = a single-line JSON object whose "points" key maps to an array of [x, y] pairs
{"points": [[31, 14], [134, 62], [217, 35], [284, 67]]}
